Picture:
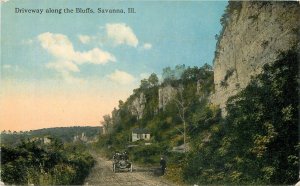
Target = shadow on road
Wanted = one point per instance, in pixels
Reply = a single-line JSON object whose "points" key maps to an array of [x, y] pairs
{"points": [[156, 172], [138, 169]]}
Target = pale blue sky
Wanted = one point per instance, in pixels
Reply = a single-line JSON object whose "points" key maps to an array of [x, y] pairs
{"points": [[70, 69], [179, 32]]}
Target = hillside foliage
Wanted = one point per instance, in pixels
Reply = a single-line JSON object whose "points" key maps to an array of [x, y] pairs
{"points": [[193, 86], [257, 143], [66, 134], [54, 163]]}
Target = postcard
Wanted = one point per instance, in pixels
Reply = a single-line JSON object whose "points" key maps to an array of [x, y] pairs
{"points": [[146, 92]]}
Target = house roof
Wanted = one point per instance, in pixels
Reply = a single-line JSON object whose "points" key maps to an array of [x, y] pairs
{"points": [[141, 131]]}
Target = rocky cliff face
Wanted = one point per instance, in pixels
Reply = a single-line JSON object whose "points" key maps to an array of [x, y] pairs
{"points": [[254, 34], [138, 105], [165, 95]]}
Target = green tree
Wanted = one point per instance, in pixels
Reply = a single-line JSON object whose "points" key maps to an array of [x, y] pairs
{"points": [[263, 123], [107, 123], [145, 84], [168, 74], [257, 141], [153, 79]]}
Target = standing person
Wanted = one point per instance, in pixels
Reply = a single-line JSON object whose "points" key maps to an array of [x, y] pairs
{"points": [[163, 165]]}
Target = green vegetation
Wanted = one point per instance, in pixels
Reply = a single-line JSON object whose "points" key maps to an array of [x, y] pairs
{"points": [[46, 156], [228, 74], [51, 163], [193, 86], [257, 142], [66, 134]]}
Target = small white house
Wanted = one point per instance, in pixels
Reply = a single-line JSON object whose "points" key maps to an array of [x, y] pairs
{"points": [[139, 134]]}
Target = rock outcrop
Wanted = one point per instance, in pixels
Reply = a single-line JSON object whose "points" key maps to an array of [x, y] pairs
{"points": [[254, 34], [165, 95], [138, 105]]}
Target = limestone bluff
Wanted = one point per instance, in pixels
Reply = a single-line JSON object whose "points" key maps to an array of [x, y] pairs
{"points": [[253, 34]]}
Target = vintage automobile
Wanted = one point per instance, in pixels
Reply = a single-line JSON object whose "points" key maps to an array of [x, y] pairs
{"points": [[121, 162]]}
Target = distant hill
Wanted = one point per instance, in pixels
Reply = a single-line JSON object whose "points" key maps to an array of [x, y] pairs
{"points": [[66, 134]]}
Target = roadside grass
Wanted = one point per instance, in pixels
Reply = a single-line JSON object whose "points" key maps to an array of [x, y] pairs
{"points": [[174, 174]]}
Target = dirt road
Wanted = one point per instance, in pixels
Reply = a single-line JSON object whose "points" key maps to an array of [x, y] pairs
{"points": [[102, 174]]}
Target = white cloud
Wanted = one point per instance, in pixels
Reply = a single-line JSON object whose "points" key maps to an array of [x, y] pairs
{"points": [[84, 39], [60, 47], [94, 56], [114, 34], [120, 33], [66, 58], [147, 46], [65, 69], [62, 66], [121, 77]]}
